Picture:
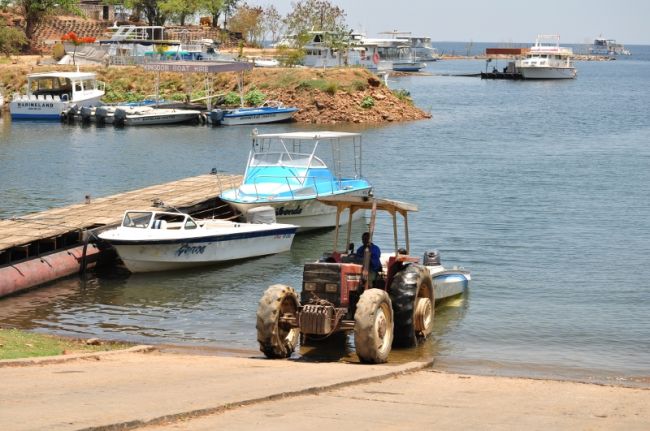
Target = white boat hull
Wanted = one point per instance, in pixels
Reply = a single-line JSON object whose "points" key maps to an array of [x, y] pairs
{"points": [[40, 108], [307, 214], [159, 116], [149, 256], [448, 283], [547, 72]]}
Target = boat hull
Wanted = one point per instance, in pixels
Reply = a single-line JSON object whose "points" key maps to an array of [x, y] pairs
{"points": [[163, 255], [448, 283], [153, 117], [307, 214], [31, 108], [257, 116], [547, 72]]}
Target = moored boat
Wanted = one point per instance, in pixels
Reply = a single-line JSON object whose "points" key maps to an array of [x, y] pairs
{"points": [[146, 115], [149, 241], [270, 112], [547, 60], [49, 94], [284, 172]]}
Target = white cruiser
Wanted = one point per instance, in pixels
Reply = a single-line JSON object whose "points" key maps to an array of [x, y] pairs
{"points": [[547, 60]]}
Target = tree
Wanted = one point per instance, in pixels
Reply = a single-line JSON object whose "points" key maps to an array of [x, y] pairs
{"points": [[150, 8], [214, 8], [179, 9], [76, 41], [12, 39], [34, 11], [272, 22], [318, 15], [228, 8], [247, 21]]}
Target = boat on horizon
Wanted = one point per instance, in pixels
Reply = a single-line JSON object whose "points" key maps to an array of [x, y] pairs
{"points": [[603, 46], [284, 172], [547, 60], [148, 241], [50, 94]]}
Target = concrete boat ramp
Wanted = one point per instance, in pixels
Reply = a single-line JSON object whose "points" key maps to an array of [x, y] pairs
{"points": [[45, 246]]}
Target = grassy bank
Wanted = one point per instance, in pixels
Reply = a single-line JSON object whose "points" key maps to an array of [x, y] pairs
{"points": [[16, 344]]}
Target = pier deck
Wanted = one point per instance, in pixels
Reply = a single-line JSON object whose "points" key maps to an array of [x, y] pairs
{"points": [[55, 225]]}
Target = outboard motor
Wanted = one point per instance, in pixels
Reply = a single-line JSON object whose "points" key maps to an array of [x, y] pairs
{"points": [[431, 258], [86, 114], [261, 215], [216, 115], [100, 114], [119, 117]]}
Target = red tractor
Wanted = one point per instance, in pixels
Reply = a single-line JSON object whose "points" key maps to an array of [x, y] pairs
{"points": [[397, 308]]}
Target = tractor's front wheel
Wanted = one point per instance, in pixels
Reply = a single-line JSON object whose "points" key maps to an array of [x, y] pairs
{"points": [[277, 317], [373, 326]]}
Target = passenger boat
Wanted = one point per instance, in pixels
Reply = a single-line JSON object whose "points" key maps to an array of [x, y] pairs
{"points": [[284, 172], [547, 60], [270, 112], [602, 46], [149, 241], [49, 94], [146, 115]]}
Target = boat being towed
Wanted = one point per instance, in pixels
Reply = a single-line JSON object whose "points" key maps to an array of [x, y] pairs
{"points": [[284, 172], [149, 241]]}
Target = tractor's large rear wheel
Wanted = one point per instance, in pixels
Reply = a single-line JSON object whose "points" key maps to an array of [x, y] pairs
{"points": [[373, 326], [277, 316], [411, 293]]}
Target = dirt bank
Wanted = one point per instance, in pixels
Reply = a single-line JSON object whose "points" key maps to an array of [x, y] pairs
{"points": [[324, 96]]}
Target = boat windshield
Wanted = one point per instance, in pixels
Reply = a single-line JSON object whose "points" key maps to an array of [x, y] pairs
{"points": [[297, 160], [139, 219]]}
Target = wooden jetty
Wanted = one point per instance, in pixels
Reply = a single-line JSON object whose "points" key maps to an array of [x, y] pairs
{"points": [[41, 247]]}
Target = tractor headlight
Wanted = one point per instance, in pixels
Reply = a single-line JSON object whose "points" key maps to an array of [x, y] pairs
{"points": [[331, 287], [310, 287]]}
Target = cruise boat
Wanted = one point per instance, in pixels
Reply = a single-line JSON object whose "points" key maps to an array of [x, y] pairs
{"points": [[547, 60], [270, 112], [284, 172], [149, 241], [602, 46], [49, 94]]}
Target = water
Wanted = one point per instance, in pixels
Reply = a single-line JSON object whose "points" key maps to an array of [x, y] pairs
{"points": [[539, 188]]}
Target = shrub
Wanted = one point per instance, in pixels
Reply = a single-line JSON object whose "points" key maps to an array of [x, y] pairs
{"points": [[331, 88], [359, 85], [232, 98], [367, 102], [254, 97], [403, 95]]}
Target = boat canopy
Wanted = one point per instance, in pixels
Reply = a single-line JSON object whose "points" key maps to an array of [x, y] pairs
{"points": [[321, 135], [355, 203]]}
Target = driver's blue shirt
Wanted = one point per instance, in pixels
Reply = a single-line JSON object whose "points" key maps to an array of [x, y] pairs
{"points": [[375, 254]]}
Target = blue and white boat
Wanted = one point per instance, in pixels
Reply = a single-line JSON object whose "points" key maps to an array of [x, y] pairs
{"points": [[150, 241], [270, 112], [284, 172], [50, 94]]}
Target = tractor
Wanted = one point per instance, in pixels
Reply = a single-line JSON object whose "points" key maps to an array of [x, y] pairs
{"points": [[395, 309]]}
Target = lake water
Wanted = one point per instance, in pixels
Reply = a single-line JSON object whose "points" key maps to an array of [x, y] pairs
{"points": [[539, 188]]}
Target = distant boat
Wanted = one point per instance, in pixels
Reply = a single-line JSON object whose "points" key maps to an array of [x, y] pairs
{"points": [[266, 62], [547, 60], [155, 241], [50, 94], [270, 112], [602, 46]]}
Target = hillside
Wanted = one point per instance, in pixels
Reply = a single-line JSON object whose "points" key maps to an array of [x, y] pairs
{"points": [[324, 96]]}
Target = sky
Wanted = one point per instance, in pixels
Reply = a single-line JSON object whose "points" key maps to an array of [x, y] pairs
{"points": [[503, 21]]}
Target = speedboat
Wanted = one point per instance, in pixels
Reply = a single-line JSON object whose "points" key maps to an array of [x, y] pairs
{"points": [[284, 172], [149, 241], [269, 112], [547, 60], [146, 115], [50, 94]]}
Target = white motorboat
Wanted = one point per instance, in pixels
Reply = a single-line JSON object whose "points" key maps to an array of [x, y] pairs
{"points": [[602, 46], [146, 115], [270, 112], [155, 240], [547, 60], [284, 172], [49, 94]]}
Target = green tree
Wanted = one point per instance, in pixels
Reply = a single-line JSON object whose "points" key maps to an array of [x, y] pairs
{"points": [[179, 9], [151, 9], [320, 15], [12, 39], [34, 11], [229, 6], [214, 8]]}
